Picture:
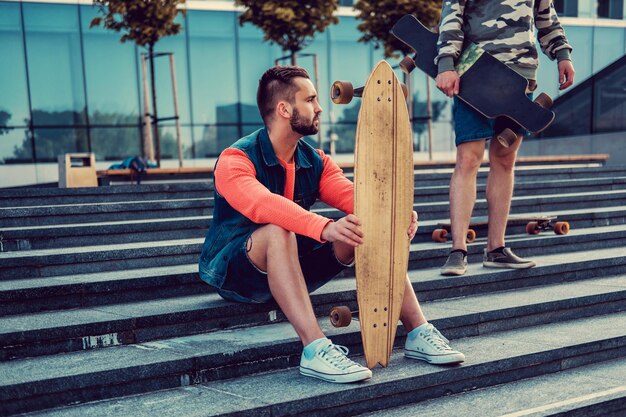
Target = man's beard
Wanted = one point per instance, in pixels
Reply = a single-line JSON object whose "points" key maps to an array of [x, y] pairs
{"points": [[302, 126]]}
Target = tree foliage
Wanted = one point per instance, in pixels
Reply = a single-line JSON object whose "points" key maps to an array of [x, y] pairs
{"points": [[141, 21], [4, 121], [379, 16], [291, 24]]}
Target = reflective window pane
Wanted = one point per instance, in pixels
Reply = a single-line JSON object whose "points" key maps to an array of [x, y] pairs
{"points": [[49, 143], [15, 146], [13, 89], [255, 57], [115, 143], [169, 143], [213, 67], [53, 42], [346, 49], [163, 75], [111, 74], [573, 114], [211, 139], [610, 102]]}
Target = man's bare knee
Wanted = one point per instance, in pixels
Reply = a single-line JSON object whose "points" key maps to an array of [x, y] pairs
{"points": [[278, 235], [470, 156], [503, 162]]}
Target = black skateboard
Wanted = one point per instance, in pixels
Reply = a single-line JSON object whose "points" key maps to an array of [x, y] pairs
{"points": [[533, 224], [487, 85]]}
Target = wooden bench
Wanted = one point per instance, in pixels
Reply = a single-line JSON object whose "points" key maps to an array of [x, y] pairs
{"points": [[109, 176]]}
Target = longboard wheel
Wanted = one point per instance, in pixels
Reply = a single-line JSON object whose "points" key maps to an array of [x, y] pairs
{"points": [[507, 137], [440, 235], [405, 90], [407, 65], [342, 92], [544, 101], [532, 228], [561, 228], [471, 236], [340, 316]]}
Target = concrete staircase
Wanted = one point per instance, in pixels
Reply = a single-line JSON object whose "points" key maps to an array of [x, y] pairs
{"points": [[102, 312]]}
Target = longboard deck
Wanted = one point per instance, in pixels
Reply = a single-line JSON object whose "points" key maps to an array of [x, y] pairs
{"points": [[383, 178]]}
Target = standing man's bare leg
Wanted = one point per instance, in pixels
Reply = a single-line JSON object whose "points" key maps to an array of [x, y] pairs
{"points": [[499, 194], [500, 190], [469, 156]]}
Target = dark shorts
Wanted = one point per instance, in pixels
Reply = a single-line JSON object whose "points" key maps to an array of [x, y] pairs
{"points": [[469, 125], [245, 283]]}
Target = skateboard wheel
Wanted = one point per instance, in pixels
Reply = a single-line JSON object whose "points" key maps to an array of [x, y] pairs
{"points": [[471, 236], [407, 65], [341, 92], [561, 228], [440, 235], [340, 316], [544, 100], [405, 90], [507, 137], [532, 228]]}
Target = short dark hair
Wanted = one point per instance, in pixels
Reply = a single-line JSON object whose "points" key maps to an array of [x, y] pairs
{"points": [[277, 84]]}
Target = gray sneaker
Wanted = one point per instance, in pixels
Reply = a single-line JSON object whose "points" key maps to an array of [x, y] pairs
{"points": [[506, 259], [455, 265]]}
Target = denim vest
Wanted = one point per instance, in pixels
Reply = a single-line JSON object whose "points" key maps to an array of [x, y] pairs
{"points": [[230, 229]]}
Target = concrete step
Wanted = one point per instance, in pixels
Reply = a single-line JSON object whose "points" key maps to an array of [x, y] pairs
{"points": [[595, 390], [104, 288], [424, 191], [141, 321], [136, 211], [99, 212], [87, 259], [113, 232], [205, 370], [71, 235], [36, 196], [33, 197]]}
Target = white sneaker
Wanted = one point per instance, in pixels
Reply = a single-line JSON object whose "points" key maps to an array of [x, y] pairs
{"points": [[429, 345], [331, 364]]}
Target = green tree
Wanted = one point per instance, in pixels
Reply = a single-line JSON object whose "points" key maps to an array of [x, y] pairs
{"points": [[291, 24], [379, 16], [4, 121], [143, 22]]}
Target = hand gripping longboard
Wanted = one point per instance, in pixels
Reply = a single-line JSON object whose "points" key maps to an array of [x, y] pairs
{"points": [[487, 85]]}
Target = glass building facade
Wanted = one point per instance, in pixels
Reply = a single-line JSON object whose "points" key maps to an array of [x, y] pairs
{"points": [[67, 88]]}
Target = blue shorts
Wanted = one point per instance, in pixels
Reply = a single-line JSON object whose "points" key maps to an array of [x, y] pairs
{"points": [[469, 125], [245, 283]]}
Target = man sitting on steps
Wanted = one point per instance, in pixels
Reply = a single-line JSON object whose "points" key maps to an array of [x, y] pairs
{"points": [[265, 244]]}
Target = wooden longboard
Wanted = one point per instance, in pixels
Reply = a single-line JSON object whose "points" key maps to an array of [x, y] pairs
{"points": [[383, 178]]}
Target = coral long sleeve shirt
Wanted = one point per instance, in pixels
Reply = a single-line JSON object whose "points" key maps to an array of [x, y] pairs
{"points": [[235, 180]]}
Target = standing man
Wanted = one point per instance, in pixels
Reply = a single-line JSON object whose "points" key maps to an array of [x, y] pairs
{"points": [[506, 29], [265, 244]]}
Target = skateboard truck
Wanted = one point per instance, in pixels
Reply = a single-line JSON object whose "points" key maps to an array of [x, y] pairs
{"points": [[342, 92]]}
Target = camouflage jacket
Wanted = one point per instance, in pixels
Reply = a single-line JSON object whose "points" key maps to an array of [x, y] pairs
{"points": [[504, 28]]}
